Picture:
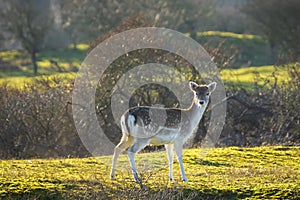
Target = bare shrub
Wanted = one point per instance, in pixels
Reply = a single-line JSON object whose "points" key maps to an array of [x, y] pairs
{"points": [[37, 121], [267, 115]]}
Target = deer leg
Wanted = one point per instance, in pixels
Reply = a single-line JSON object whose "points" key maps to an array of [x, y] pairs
{"points": [[138, 145], [125, 142], [178, 149], [170, 155]]}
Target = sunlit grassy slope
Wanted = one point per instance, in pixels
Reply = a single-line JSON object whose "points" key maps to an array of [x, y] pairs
{"points": [[69, 60], [229, 34], [225, 173], [49, 61], [248, 76], [243, 77]]}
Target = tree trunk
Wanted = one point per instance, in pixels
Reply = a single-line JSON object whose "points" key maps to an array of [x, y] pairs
{"points": [[34, 63], [74, 45], [273, 51]]}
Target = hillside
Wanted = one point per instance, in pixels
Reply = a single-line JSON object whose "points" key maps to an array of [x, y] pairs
{"points": [[249, 50], [225, 173]]}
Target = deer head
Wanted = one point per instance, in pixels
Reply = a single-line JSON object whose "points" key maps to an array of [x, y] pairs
{"points": [[202, 93]]}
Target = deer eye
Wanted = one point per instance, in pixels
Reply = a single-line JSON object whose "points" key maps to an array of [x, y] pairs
{"points": [[207, 93]]}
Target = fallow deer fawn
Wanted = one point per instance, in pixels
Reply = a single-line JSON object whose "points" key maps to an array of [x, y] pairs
{"points": [[161, 126]]}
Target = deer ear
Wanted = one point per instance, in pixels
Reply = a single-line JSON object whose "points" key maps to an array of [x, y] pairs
{"points": [[212, 86], [193, 86]]}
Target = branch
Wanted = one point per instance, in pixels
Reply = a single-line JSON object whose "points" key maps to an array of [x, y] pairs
{"points": [[249, 106]]}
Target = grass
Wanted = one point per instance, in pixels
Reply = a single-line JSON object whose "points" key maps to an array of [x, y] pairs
{"points": [[16, 69], [243, 77], [248, 76], [225, 173], [18, 63], [249, 50], [229, 34]]}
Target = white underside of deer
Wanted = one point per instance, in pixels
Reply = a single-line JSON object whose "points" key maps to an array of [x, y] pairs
{"points": [[161, 126]]}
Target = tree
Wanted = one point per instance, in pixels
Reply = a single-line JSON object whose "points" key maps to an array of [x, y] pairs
{"points": [[185, 16], [279, 22], [87, 19], [29, 21]]}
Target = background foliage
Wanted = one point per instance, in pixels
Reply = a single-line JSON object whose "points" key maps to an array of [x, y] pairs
{"points": [[36, 113]]}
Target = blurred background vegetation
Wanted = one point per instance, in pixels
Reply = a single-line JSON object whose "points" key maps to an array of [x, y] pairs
{"points": [[255, 44]]}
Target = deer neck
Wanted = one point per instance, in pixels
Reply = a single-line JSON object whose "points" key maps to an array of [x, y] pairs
{"points": [[195, 113]]}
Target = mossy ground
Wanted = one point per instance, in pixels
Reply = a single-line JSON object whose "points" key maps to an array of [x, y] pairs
{"points": [[224, 173]]}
